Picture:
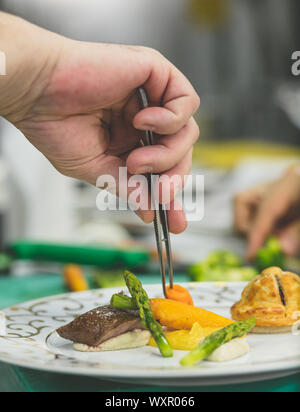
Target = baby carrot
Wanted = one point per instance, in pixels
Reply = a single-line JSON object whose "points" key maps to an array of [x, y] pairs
{"points": [[75, 279], [179, 294]]}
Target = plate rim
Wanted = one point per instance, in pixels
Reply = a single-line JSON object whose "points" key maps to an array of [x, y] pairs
{"points": [[288, 366]]}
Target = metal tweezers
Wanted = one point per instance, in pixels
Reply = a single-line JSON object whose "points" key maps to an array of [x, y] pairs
{"points": [[161, 226]]}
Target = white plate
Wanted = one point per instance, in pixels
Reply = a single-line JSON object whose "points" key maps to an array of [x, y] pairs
{"points": [[31, 341]]}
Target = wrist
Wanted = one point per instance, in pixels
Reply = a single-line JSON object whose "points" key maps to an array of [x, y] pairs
{"points": [[31, 54]]}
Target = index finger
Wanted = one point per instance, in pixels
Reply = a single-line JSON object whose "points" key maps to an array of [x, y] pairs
{"points": [[242, 212], [269, 213], [245, 206], [173, 102]]}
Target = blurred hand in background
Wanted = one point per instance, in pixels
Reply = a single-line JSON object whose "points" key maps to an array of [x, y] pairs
{"points": [[272, 208], [77, 103]]}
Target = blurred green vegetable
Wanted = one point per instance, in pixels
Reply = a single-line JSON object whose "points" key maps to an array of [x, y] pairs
{"points": [[6, 262], [222, 266], [108, 279], [224, 259], [270, 255], [228, 267]]}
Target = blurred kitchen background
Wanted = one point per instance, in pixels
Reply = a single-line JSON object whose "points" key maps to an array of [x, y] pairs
{"points": [[237, 53]]}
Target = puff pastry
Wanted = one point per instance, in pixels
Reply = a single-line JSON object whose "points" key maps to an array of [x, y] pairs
{"points": [[273, 298]]}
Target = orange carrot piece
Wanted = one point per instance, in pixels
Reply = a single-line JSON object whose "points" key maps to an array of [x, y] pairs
{"points": [[179, 294], [75, 279], [178, 315]]}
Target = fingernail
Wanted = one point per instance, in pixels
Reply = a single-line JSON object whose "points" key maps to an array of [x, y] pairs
{"points": [[147, 127], [142, 170]]}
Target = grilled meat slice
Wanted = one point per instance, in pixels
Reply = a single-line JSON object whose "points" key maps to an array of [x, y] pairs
{"points": [[100, 325]]}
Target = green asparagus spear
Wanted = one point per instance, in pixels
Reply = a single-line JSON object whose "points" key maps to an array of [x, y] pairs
{"points": [[217, 339], [142, 301], [124, 302]]}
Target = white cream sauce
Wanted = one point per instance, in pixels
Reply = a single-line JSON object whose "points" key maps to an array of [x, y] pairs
{"points": [[230, 351], [130, 340]]}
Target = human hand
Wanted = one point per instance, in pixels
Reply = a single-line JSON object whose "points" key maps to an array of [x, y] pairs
{"points": [[81, 111], [272, 208]]}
